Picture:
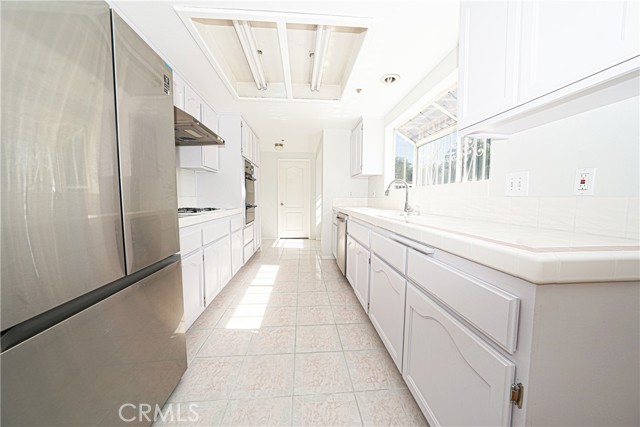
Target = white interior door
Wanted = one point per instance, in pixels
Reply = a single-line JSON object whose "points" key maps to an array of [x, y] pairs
{"points": [[293, 198]]}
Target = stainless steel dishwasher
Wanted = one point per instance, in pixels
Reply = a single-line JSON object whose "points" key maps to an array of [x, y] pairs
{"points": [[341, 242]]}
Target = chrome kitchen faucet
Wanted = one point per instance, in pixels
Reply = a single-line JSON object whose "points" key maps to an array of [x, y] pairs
{"points": [[407, 208]]}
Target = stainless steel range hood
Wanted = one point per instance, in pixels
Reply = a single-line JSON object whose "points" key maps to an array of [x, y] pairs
{"points": [[190, 131]]}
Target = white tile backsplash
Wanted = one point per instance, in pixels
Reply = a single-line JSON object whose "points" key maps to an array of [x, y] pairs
{"points": [[604, 215], [557, 213], [633, 219], [186, 180]]}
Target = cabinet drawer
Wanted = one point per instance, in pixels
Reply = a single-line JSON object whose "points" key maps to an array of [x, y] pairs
{"points": [[248, 234], [392, 252], [358, 232], [190, 240], [214, 230], [237, 222], [486, 307]]}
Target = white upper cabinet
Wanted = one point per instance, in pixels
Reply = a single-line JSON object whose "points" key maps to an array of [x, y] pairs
{"points": [[193, 103], [205, 157], [367, 148], [523, 62], [250, 145], [210, 153], [488, 37], [355, 149], [563, 42], [178, 91]]}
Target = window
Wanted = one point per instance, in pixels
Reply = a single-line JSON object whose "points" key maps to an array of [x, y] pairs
{"points": [[441, 157], [404, 153], [447, 160]]}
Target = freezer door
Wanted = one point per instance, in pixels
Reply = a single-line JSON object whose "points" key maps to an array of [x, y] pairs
{"points": [[147, 149], [61, 225], [129, 349]]}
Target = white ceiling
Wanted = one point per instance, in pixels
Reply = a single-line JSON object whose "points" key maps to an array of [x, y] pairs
{"points": [[408, 38]]}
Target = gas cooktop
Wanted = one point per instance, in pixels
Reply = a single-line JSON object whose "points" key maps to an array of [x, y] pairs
{"points": [[195, 211]]}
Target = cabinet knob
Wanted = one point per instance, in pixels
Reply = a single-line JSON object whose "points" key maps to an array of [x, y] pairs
{"points": [[281, 204]]}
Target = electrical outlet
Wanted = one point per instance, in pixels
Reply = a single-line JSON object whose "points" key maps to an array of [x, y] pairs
{"points": [[517, 184], [584, 182]]}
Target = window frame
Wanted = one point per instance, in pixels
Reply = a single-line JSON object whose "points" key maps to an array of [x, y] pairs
{"points": [[412, 144]]}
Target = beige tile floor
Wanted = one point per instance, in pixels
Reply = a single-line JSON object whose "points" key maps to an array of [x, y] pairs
{"points": [[287, 343]]}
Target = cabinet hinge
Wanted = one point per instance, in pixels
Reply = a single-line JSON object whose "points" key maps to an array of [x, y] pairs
{"points": [[369, 260], [517, 394]]}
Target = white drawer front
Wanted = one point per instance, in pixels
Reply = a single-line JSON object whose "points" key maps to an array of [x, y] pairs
{"points": [[392, 252], [237, 222], [248, 234], [214, 230], [190, 240], [358, 232], [488, 308]]}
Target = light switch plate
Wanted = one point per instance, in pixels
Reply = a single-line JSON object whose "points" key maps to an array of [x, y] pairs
{"points": [[517, 184], [584, 182]]}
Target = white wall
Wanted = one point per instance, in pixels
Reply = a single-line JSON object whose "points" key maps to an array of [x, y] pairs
{"points": [[606, 138], [317, 206], [443, 76], [268, 198], [336, 179]]}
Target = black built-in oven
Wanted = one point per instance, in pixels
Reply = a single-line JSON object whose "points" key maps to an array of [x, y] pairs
{"points": [[250, 192]]}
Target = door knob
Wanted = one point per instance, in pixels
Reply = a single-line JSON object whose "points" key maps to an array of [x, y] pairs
{"points": [[281, 204]]}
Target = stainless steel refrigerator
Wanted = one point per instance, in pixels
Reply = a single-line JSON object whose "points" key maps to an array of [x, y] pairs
{"points": [[91, 310]]}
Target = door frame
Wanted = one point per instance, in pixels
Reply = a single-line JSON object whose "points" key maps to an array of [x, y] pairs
{"points": [[307, 192]]}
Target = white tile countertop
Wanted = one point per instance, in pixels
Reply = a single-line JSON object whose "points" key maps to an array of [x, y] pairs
{"points": [[188, 220], [540, 256]]}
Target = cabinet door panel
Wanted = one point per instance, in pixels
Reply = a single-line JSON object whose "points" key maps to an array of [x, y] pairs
{"points": [[442, 357], [361, 286], [356, 150], [487, 59], [192, 282], [563, 43], [386, 307], [210, 153], [192, 103], [223, 255], [237, 249], [352, 262], [211, 273], [178, 91]]}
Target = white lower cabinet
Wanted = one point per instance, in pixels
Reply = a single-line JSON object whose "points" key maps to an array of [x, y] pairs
{"points": [[456, 378], [236, 251], [386, 307], [358, 271], [206, 264], [217, 267], [192, 287]]}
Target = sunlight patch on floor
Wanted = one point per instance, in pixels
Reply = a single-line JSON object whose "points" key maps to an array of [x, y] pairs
{"points": [[249, 312]]}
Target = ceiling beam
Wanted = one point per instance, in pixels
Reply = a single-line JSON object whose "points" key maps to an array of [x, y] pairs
{"points": [[284, 54]]}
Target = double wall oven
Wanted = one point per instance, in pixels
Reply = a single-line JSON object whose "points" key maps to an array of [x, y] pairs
{"points": [[250, 192]]}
